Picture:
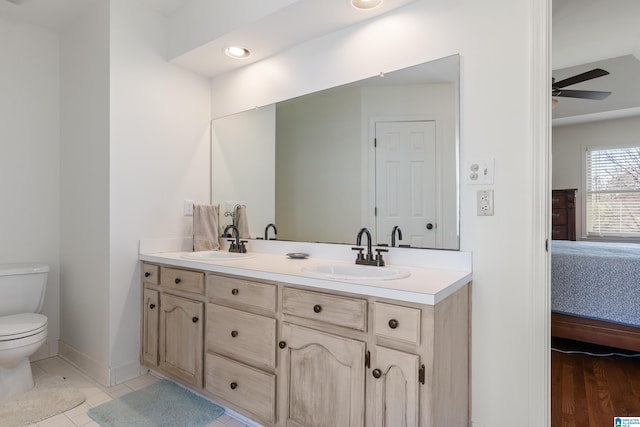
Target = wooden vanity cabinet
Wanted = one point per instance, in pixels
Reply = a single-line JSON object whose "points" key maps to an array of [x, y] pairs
{"points": [[323, 356], [173, 322], [180, 340], [150, 324], [397, 373], [294, 356], [241, 332]]}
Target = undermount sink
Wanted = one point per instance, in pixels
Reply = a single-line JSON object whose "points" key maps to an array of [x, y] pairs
{"points": [[354, 272], [215, 256]]}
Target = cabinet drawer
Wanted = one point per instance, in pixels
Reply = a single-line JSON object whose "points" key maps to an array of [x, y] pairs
{"points": [[333, 309], [151, 273], [183, 280], [234, 291], [246, 387], [396, 322], [247, 337], [559, 232], [558, 200], [559, 216]]}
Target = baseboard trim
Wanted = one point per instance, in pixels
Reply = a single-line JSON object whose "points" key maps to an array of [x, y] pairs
{"points": [[85, 364]]}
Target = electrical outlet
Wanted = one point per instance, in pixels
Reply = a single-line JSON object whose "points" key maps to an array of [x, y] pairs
{"points": [[485, 202], [188, 207]]}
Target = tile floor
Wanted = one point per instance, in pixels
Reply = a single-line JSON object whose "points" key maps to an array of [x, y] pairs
{"points": [[97, 394]]}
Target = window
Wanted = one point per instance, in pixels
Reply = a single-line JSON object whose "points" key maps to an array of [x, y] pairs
{"points": [[613, 192]]}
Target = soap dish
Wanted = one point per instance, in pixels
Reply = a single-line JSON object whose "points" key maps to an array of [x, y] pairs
{"points": [[297, 255]]}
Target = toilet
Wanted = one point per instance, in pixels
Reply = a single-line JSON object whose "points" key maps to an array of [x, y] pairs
{"points": [[22, 329]]}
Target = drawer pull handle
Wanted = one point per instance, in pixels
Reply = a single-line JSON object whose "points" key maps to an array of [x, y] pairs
{"points": [[234, 334], [177, 280], [234, 292], [233, 385], [393, 323], [376, 373], [152, 306], [317, 308], [194, 319], [147, 274], [282, 344]]}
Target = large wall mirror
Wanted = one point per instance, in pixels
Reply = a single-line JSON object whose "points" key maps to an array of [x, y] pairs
{"points": [[378, 153]]}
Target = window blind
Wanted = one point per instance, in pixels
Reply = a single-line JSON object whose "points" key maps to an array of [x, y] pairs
{"points": [[613, 192]]}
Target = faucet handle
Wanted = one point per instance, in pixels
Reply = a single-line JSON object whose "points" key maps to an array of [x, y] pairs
{"points": [[360, 255], [379, 258]]}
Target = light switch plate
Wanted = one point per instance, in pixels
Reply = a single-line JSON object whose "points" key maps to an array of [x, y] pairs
{"points": [[479, 171], [188, 207]]}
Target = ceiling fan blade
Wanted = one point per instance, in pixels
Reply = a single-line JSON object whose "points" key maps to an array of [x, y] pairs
{"points": [[579, 78], [584, 94]]}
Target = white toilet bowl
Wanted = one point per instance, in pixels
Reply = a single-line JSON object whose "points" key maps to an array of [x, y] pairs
{"points": [[22, 329], [21, 335]]}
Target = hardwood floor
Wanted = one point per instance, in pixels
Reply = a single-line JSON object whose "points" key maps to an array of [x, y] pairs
{"points": [[589, 391]]}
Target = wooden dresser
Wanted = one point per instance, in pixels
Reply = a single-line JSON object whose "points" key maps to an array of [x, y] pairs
{"points": [[563, 214]]}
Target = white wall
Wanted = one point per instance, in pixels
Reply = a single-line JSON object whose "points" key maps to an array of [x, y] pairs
{"points": [[84, 198], [569, 143], [159, 156], [503, 44], [135, 145], [30, 155]]}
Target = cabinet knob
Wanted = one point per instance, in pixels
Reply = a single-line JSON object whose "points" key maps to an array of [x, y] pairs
{"points": [[317, 308], [147, 274], [234, 291], [152, 306], [282, 344], [234, 333], [177, 280], [233, 385], [376, 373], [194, 319], [393, 323], [429, 226]]}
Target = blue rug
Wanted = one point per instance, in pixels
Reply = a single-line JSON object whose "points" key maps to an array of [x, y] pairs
{"points": [[162, 404]]}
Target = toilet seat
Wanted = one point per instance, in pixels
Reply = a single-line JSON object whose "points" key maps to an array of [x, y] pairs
{"points": [[21, 325]]}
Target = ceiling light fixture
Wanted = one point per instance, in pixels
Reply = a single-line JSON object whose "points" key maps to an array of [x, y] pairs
{"points": [[366, 4], [237, 52]]}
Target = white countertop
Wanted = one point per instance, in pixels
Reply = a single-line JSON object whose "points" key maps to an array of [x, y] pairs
{"points": [[424, 285]]}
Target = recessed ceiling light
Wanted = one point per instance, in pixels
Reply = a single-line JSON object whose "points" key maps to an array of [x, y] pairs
{"points": [[365, 4], [237, 52]]}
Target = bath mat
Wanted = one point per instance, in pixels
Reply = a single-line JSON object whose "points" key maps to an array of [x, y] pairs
{"points": [[162, 404], [52, 395]]}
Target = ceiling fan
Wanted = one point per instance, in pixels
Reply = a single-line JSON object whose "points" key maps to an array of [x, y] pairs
{"points": [[557, 87]]}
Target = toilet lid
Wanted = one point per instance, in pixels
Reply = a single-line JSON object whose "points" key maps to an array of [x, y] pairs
{"points": [[21, 325]]}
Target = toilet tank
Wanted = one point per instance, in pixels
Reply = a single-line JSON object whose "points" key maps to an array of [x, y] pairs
{"points": [[22, 288]]}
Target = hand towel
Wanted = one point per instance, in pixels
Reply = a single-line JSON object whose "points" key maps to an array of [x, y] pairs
{"points": [[240, 219], [205, 228]]}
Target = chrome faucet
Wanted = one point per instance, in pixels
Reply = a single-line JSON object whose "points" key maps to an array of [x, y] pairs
{"points": [[236, 245], [266, 231], [369, 259], [393, 235]]}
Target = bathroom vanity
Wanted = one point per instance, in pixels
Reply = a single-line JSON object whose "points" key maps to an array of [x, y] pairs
{"points": [[285, 348]]}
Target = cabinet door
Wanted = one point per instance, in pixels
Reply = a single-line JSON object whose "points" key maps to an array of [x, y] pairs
{"points": [[181, 338], [395, 388], [150, 317], [323, 382]]}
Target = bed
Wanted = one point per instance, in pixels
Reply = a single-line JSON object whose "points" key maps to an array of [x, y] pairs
{"points": [[595, 293]]}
